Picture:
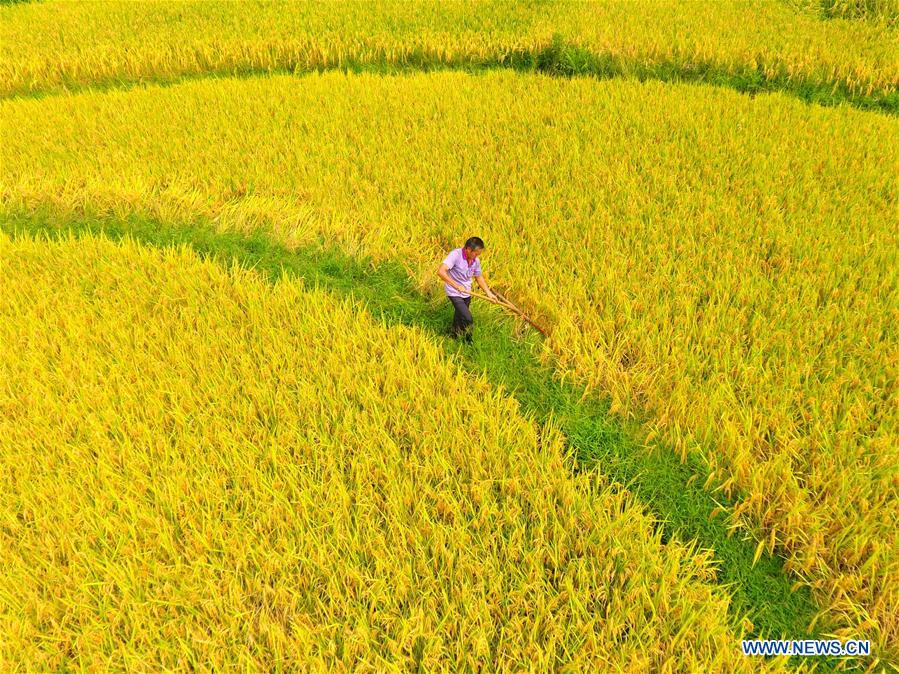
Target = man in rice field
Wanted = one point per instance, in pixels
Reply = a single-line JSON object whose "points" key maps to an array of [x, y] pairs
{"points": [[457, 270]]}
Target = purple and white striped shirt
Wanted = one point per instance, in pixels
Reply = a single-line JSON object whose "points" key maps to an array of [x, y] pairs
{"points": [[461, 271]]}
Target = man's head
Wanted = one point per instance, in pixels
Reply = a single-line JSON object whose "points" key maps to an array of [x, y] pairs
{"points": [[474, 246]]}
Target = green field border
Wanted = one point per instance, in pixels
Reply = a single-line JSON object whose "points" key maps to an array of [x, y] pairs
{"points": [[559, 58], [671, 490]]}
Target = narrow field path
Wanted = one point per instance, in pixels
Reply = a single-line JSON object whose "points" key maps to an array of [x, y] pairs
{"points": [[763, 592], [559, 59]]}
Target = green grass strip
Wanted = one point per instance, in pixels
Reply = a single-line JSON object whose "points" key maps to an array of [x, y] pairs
{"points": [[559, 58], [673, 491]]}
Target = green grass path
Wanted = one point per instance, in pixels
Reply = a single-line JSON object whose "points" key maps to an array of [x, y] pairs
{"points": [[559, 58], [673, 491]]}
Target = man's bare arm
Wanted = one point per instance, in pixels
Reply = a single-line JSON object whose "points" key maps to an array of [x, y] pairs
{"points": [[483, 283], [443, 274]]}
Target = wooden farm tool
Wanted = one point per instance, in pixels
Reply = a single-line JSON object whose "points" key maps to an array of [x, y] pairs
{"points": [[503, 302]]}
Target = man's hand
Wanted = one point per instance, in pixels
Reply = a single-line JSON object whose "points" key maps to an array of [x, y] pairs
{"points": [[491, 296], [461, 288]]}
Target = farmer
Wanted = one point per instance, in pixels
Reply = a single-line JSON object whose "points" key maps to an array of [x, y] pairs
{"points": [[457, 271]]}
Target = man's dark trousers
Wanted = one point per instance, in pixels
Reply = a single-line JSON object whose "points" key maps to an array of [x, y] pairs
{"points": [[462, 319]]}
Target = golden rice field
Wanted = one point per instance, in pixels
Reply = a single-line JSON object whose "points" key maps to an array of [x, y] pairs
{"points": [[700, 258], [870, 10], [121, 41], [204, 470]]}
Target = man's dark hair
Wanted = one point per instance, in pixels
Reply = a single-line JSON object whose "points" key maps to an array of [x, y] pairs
{"points": [[475, 243]]}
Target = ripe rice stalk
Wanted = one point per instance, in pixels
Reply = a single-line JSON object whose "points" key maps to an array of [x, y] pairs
{"points": [[214, 471], [706, 280], [749, 43]]}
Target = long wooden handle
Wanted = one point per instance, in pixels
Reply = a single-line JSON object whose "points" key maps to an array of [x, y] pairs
{"points": [[522, 314], [503, 302]]}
